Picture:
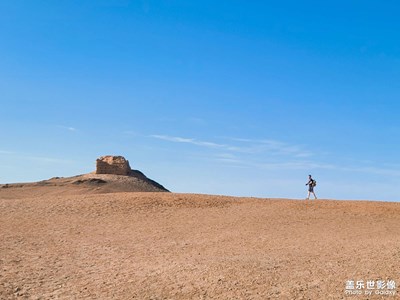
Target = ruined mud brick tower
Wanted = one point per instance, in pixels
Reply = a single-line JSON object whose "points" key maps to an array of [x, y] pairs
{"points": [[116, 165]]}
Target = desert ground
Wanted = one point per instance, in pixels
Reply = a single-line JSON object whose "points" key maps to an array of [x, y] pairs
{"points": [[76, 242]]}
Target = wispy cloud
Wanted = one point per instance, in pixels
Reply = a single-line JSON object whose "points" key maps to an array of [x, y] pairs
{"points": [[373, 170], [27, 156], [267, 154], [230, 158], [69, 128], [47, 159], [6, 152], [271, 146], [307, 166], [246, 146], [188, 141], [258, 163]]}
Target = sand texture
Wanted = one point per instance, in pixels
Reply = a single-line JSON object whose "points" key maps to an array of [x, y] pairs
{"points": [[129, 245]]}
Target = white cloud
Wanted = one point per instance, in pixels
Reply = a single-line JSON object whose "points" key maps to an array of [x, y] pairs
{"points": [[269, 154], [6, 152], [69, 128], [373, 170], [47, 159], [251, 146], [188, 141], [26, 156], [230, 158], [270, 146]]}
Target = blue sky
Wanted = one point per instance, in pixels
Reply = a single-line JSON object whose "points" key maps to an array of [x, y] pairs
{"points": [[223, 97]]}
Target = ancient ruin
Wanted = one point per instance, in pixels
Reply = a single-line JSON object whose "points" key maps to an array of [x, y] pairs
{"points": [[116, 165]]}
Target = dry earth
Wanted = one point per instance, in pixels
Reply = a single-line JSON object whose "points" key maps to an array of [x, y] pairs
{"points": [[80, 245]]}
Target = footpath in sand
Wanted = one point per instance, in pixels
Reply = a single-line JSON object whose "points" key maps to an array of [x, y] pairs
{"points": [[184, 246]]}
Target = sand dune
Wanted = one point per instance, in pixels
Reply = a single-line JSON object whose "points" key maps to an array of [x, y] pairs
{"points": [[185, 246]]}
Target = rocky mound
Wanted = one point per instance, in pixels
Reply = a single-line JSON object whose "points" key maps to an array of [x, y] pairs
{"points": [[113, 174]]}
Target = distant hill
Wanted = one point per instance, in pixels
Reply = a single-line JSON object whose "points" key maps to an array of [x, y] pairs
{"points": [[83, 184], [107, 178]]}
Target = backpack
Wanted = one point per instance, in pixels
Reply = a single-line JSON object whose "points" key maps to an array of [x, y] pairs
{"points": [[313, 183]]}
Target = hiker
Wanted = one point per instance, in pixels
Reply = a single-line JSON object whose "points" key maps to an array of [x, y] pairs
{"points": [[311, 184]]}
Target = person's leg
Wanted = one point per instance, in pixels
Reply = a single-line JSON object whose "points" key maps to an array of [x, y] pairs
{"points": [[308, 195], [314, 195]]}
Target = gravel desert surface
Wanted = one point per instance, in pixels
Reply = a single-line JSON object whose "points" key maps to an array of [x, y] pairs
{"points": [[65, 242]]}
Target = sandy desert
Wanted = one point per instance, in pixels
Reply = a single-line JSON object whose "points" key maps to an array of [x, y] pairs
{"points": [[234, 110], [66, 240]]}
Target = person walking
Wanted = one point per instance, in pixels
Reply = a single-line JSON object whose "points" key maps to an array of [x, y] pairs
{"points": [[311, 184]]}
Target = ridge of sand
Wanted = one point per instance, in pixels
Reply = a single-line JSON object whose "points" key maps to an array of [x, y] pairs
{"points": [[185, 246]]}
